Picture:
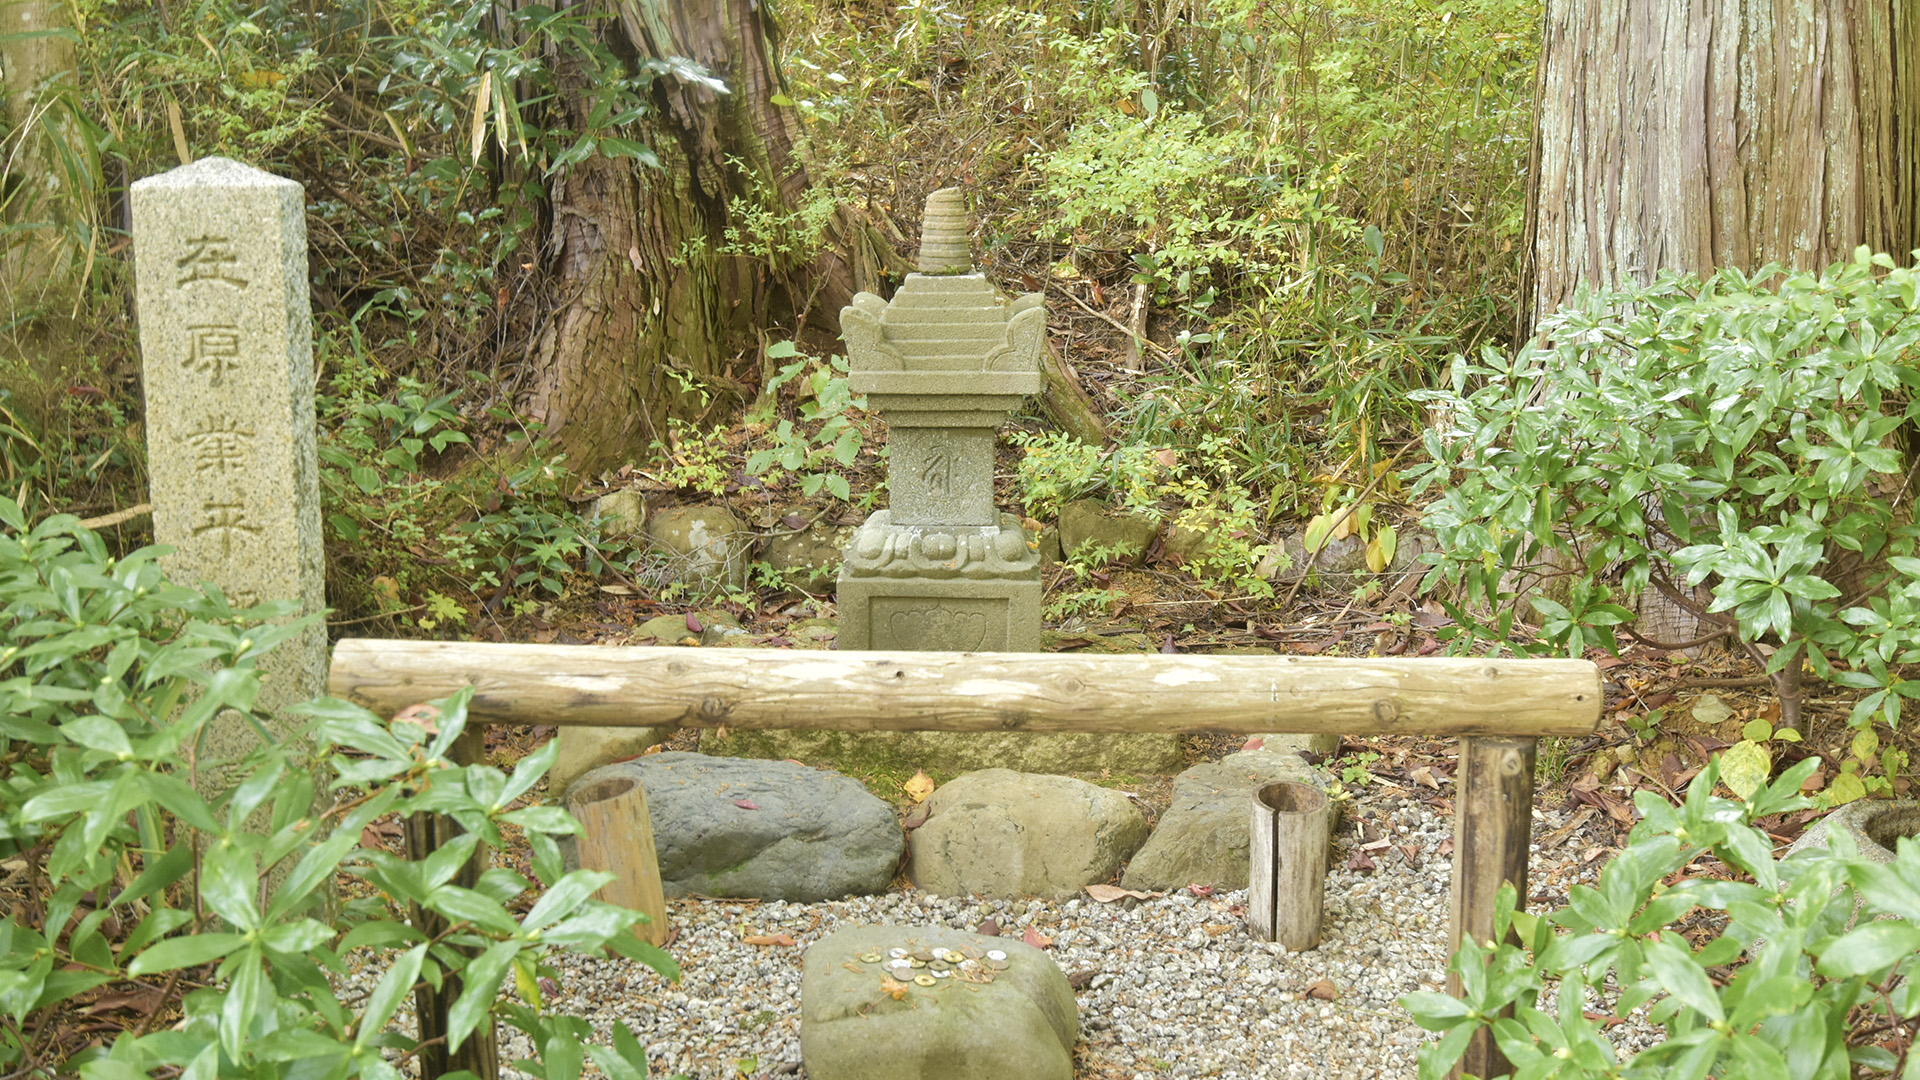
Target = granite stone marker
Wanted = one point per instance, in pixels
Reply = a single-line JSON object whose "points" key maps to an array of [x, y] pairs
{"points": [[220, 273], [941, 569], [945, 362]]}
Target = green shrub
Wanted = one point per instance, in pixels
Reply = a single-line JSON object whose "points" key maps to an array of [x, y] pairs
{"points": [[109, 676], [1805, 962], [1740, 433]]}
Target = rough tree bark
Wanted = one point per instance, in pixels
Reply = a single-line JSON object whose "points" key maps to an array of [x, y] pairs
{"points": [[1697, 134], [657, 319]]}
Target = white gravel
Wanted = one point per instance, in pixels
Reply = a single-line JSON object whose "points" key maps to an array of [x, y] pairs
{"points": [[1179, 988]]}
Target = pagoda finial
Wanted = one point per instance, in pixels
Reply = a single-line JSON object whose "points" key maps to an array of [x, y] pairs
{"points": [[945, 245]]}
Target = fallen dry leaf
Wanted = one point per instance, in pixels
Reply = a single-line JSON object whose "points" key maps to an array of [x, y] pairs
{"points": [[1324, 990], [988, 928], [1424, 775], [769, 939], [1360, 863], [890, 985], [1107, 894], [746, 804], [1254, 743], [1200, 890], [919, 787], [421, 716], [1035, 938]]}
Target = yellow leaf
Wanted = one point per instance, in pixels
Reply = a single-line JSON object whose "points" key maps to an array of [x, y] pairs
{"points": [[1343, 526], [919, 787], [1745, 766], [1845, 788], [1376, 557], [1866, 744]]}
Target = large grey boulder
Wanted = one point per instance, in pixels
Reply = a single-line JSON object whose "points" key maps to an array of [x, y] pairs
{"points": [[859, 1023], [766, 829], [1202, 838], [1002, 833]]}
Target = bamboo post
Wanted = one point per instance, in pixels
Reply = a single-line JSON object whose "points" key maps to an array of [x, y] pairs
{"points": [[1493, 825], [425, 833], [617, 836], [1288, 879]]}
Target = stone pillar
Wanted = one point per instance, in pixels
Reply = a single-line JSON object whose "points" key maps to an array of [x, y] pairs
{"points": [[945, 362], [226, 338]]}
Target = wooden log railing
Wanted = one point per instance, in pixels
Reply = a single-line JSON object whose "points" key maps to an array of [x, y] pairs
{"points": [[1498, 709]]}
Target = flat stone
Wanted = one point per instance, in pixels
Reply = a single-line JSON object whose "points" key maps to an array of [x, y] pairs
{"points": [[770, 830], [1003, 833], [226, 342], [1202, 839], [709, 544], [855, 1026], [1088, 523]]}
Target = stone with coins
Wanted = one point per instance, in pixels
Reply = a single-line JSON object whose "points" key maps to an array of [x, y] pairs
{"points": [[1022, 1022]]}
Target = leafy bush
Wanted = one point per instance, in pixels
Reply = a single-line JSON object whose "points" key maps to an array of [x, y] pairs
{"points": [[1804, 962], [1741, 433], [110, 676]]}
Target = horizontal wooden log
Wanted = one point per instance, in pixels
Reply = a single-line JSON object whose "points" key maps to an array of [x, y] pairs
{"points": [[639, 686]]}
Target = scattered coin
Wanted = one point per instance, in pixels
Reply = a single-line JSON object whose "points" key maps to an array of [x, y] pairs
{"points": [[896, 952], [942, 973], [923, 980], [923, 955], [917, 962], [869, 958], [996, 954], [938, 967], [952, 956], [996, 965]]}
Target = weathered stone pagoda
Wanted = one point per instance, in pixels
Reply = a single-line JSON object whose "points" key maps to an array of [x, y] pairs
{"points": [[945, 362]]}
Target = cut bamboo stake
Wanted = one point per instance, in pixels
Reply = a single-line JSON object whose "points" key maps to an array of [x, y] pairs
{"points": [[617, 836], [1287, 883], [1493, 824], [425, 834], [750, 689]]}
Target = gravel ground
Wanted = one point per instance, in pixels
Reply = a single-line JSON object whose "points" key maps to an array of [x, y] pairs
{"points": [[1173, 986]]}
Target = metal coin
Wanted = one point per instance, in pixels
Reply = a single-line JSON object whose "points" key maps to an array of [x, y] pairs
{"points": [[969, 965], [996, 954], [923, 980], [917, 962], [896, 952], [952, 956], [923, 955], [996, 965], [869, 958], [943, 973]]}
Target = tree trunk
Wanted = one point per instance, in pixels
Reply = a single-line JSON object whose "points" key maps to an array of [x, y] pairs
{"points": [[1695, 134], [51, 172], [666, 284], [1691, 135]]}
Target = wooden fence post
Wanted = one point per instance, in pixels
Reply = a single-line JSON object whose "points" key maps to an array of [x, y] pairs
{"points": [[1493, 824], [480, 1054]]}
